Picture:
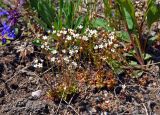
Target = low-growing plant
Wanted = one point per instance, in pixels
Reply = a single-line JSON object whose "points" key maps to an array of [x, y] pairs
{"points": [[134, 29], [70, 50], [63, 15]]}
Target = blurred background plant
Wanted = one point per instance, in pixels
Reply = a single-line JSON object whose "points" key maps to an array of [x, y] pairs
{"points": [[121, 15]]}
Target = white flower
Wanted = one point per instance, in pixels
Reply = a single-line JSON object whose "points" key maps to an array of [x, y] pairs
{"points": [[41, 60], [110, 42], [64, 32], [53, 59], [92, 32], [115, 45], [40, 65], [75, 35], [74, 64], [123, 87], [38, 35], [45, 43], [54, 31], [66, 59], [71, 31], [58, 34], [112, 50], [71, 52], [111, 36], [47, 48], [96, 47], [85, 38], [87, 29], [63, 51], [101, 46], [54, 51], [69, 37], [89, 35], [76, 51], [44, 37], [36, 61], [80, 26], [49, 31], [35, 65], [105, 45]]}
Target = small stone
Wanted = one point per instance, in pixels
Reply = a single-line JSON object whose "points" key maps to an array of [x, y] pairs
{"points": [[37, 93], [30, 78]]}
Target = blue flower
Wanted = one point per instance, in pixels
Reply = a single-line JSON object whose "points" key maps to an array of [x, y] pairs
{"points": [[4, 40], [7, 26], [6, 30], [11, 34]]}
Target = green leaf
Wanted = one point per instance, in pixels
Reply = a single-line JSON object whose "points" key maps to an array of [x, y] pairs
{"points": [[128, 18], [37, 42], [102, 23], [116, 66], [78, 22], [107, 8], [128, 12], [133, 63], [124, 36], [147, 56], [137, 73], [41, 22], [153, 14]]}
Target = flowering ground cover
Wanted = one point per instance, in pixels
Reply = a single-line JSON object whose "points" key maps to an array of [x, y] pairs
{"points": [[79, 57]]}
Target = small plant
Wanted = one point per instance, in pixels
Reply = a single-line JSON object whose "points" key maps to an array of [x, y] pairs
{"points": [[70, 51], [124, 10], [134, 29]]}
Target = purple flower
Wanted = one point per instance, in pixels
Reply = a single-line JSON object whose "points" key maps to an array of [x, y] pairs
{"points": [[7, 26], [6, 30], [4, 40]]}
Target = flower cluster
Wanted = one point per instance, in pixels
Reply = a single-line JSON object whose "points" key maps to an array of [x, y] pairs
{"points": [[7, 25], [38, 63], [68, 46]]}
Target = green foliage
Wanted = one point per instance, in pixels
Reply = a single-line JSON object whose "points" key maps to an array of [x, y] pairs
{"points": [[153, 13], [45, 10], [108, 8], [128, 12], [37, 42], [124, 36], [65, 16], [102, 23], [115, 66]]}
